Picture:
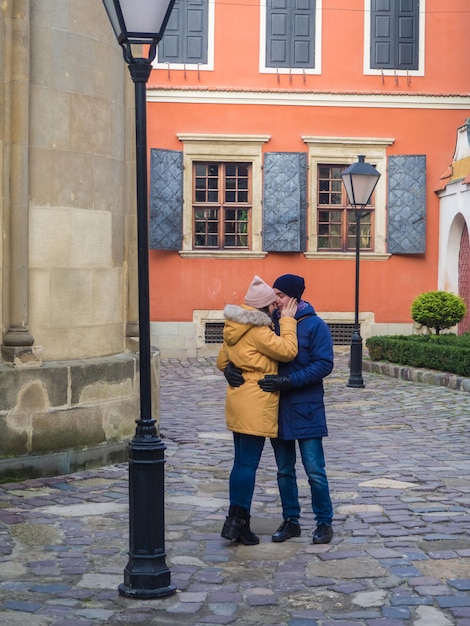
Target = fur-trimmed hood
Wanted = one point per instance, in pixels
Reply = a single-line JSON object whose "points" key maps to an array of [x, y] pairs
{"points": [[239, 320]]}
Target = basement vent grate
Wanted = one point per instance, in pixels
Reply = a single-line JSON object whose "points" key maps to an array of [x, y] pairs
{"points": [[341, 333], [213, 332]]}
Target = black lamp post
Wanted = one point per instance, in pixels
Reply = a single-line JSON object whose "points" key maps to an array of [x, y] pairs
{"points": [[360, 180], [136, 23]]}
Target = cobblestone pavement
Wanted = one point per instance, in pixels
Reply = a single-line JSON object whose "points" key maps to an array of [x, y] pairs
{"points": [[398, 464]]}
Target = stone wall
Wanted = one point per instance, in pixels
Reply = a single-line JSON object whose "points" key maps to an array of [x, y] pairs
{"points": [[66, 416], [69, 392]]}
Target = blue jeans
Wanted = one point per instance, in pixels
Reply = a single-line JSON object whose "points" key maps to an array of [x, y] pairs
{"points": [[248, 449], [313, 459]]}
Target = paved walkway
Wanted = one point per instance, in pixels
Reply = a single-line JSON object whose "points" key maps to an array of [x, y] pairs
{"points": [[398, 462]]}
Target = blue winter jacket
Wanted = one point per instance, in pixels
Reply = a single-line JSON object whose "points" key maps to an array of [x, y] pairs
{"points": [[301, 408]]}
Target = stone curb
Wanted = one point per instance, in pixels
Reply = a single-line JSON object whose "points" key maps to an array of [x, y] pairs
{"points": [[429, 377]]}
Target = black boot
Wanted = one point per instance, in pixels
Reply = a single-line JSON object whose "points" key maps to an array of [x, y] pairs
{"points": [[237, 527], [229, 529]]}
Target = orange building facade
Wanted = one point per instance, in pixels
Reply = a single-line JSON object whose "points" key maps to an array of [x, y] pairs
{"points": [[253, 112]]}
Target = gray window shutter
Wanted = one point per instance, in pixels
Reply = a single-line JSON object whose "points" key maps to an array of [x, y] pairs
{"points": [[407, 204], [186, 35], [285, 202], [394, 34], [166, 199], [290, 33]]}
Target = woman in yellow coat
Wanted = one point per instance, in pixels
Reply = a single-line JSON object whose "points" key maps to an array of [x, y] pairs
{"points": [[251, 344]]}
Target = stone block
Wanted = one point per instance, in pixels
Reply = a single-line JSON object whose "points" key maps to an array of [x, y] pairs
{"points": [[98, 380], [68, 428]]}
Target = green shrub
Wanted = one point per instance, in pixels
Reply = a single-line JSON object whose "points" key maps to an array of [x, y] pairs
{"points": [[447, 353], [438, 310]]}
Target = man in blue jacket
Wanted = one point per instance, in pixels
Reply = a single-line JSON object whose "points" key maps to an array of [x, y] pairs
{"points": [[301, 413]]}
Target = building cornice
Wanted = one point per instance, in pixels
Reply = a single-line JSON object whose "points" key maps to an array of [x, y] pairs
{"points": [[197, 95]]}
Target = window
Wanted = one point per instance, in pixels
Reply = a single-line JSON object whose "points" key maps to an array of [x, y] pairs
{"points": [[394, 36], [221, 205], [188, 39], [290, 29], [337, 220], [222, 184], [290, 36], [331, 222]]}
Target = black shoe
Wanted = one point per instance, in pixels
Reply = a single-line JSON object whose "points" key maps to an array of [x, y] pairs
{"points": [[323, 534], [288, 529]]}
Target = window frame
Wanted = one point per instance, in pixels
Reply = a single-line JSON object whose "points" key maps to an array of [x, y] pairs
{"points": [[368, 70], [344, 151], [227, 149], [348, 215], [209, 66], [264, 69], [222, 206]]}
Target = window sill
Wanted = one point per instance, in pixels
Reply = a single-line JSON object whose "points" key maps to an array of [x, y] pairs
{"points": [[376, 71], [347, 256], [221, 254]]}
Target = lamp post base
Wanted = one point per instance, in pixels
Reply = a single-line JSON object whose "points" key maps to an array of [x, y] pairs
{"points": [[355, 363], [161, 592], [146, 574]]}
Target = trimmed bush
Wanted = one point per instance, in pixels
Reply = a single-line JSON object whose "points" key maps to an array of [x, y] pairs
{"points": [[447, 353], [438, 310]]}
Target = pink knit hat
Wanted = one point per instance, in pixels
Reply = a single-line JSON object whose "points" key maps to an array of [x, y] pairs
{"points": [[259, 294]]}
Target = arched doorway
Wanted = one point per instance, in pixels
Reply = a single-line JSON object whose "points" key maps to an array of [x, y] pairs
{"points": [[464, 278]]}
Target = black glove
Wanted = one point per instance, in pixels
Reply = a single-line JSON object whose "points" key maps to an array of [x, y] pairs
{"points": [[233, 375], [274, 383]]}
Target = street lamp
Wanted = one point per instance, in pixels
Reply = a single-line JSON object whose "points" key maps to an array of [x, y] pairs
{"points": [[137, 23], [359, 180]]}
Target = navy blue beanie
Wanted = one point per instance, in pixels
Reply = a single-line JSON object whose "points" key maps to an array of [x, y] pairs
{"points": [[291, 285]]}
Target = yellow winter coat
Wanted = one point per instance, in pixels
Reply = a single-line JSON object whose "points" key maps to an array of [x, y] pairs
{"points": [[251, 344]]}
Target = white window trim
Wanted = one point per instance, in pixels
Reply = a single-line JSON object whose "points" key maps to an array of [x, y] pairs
{"points": [[345, 150], [247, 148], [382, 72], [287, 70], [207, 67]]}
